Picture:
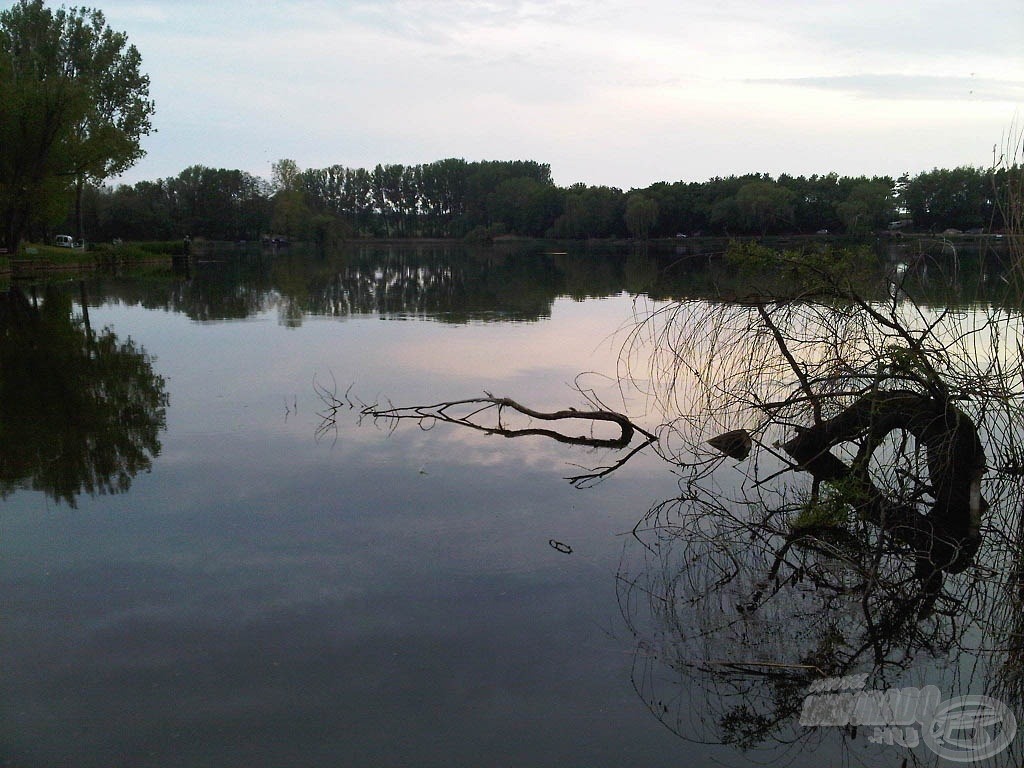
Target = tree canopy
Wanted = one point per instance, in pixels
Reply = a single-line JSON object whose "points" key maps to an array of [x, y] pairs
{"points": [[75, 108], [453, 198]]}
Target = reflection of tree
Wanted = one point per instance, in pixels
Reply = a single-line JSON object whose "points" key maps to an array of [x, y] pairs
{"points": [[80, 410], [873, 525], [451, 285], [445, 282]]}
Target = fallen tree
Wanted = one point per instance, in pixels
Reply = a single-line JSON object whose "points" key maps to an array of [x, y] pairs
{"points": [[948, 535]]}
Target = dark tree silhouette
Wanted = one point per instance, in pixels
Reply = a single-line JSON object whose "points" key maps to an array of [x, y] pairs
{"points": [[81, 411]]}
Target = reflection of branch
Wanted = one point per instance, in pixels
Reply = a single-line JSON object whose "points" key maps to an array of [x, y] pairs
{"points": [[596, 475], [328, 419], [487, 415], [733, 619], [441, 412]]}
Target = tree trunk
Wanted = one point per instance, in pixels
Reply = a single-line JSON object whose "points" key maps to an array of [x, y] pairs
{"points": [[79, 190], [948, 535]]}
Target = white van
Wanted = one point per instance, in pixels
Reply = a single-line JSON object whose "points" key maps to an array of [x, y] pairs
{"points": [[64, 241]]}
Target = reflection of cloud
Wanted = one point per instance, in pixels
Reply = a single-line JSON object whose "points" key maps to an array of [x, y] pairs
{"points": [[894, 86]]}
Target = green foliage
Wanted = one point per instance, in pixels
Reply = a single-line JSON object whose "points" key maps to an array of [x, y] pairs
{"points": [[524, 205], [962, 198], [641, 215], [867, 208], [159, 247], [285, 176], [764, 206], [481, 235], [902, 361], [292, 216], [832, 510], [140, 251], [55, 255], [591, 212], [76, 106]]}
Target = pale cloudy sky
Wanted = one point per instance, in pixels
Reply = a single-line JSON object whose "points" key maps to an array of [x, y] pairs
{"points": [[616, 92]]}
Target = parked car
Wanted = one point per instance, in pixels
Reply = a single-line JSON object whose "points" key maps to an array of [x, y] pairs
{"points": [[64, 241]]}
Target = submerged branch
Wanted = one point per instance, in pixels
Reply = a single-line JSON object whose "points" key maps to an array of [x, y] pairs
{"points": [[443, 412], [489, 415]]}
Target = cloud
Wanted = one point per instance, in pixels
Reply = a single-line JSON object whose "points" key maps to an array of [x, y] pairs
{"points": [[606, 91]]}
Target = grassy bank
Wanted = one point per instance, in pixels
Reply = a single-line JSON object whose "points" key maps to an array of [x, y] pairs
{"points": [[33, 258]]}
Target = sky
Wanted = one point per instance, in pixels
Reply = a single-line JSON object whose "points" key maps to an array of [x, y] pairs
{"points": [[623, 93]]}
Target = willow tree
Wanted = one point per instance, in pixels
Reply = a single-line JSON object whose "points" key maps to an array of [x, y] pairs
{"points": [[75, 108], [641, 215]]}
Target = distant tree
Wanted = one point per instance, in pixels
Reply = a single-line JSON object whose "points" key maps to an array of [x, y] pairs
{"points": [[444, 185], [524, 206], [680, 208], [387, 195], [868, 207], [962, 198], [717, 198], [409, 199], [641, 215], [484, 178], [75, 108], [724, 215], [815, 198], [765, 206], [291, 216], [591, 212], [285, 175], [143, 211]]}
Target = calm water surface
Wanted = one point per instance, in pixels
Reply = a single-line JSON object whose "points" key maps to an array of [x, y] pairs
{"points": [[268, 592], [264, 597]]}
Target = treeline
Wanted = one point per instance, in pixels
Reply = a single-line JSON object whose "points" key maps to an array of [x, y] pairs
{"points": [[455, 198]]}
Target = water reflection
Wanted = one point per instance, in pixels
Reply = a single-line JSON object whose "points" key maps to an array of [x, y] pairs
{"points": [[457, 284], [737, 613], [854, 537], [81, 410], [267, 570]]}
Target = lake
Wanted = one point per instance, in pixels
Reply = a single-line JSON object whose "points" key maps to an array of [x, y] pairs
{"points": [[204, 564]]}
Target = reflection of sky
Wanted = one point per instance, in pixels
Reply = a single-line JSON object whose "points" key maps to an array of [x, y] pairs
{"points": [[263, 598]]}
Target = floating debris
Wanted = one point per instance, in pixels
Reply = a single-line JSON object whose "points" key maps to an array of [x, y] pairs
{"points": [[565, 549]]}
